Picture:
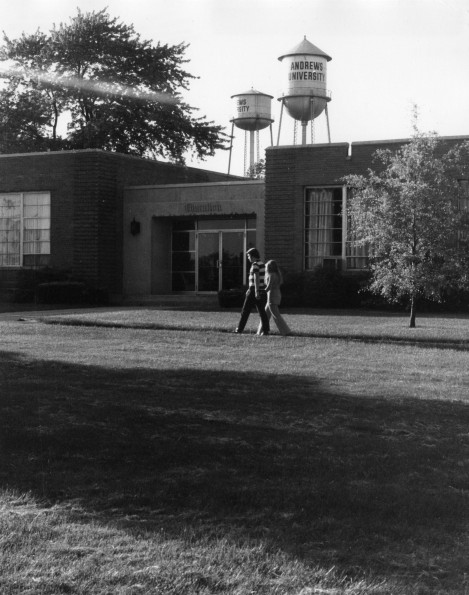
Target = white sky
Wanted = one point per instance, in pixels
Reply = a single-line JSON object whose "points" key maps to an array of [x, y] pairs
{"points": [[387, 55]]}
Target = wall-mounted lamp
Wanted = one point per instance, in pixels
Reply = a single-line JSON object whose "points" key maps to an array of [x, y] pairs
{"points": [[134, 227]]}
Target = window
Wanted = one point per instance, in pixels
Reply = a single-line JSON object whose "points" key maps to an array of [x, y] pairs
{"points": [[25, 229], [183, 256], [323, 227]]}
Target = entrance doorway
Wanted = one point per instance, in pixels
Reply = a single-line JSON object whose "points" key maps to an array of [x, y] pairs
{"points": [[214, 259], [220, 260]]}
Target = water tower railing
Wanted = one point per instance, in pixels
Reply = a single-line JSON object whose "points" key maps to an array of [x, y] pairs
{"points": [[316, 93]]}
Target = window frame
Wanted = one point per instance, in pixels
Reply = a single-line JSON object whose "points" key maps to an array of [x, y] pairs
{"points": [[22, 219], [339, 260]]}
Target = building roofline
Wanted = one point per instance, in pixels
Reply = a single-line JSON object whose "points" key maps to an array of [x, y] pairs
{"points": [[198, 184], [406, 140], [393, 141], [275, 148], [70, 152], [120, 155]]}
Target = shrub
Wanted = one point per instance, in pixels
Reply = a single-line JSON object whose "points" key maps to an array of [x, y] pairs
{"points": [[323, 288], [55, 286], [29, 279], [231, 298], [61, 292]]}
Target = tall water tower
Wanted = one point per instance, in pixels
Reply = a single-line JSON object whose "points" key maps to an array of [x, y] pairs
{"points": [[306, 95], [252, 113]]}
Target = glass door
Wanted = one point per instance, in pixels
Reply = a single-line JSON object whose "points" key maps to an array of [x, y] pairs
{"points": [[220, 260], [233, 259], [208, 260]]}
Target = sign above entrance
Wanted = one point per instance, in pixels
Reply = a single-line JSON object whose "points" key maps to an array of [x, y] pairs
{"points": [[202, 207]]}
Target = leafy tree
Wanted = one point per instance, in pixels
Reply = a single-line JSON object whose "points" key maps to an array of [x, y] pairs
{"points": [[257, 170], [116, 92], [413, 218]]}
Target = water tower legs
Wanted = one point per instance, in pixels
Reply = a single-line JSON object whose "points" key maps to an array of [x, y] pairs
{"points": [[251, 147], [327, 120], [231, 148], [280, 123]]}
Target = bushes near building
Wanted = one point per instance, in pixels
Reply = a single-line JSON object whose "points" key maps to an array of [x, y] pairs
{"points": [[53, 286], [323, 288]]}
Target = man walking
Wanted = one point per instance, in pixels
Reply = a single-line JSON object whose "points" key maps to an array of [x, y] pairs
{"points": [[256, 294]]}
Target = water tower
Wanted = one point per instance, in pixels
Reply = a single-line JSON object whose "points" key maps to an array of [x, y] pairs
{"points": [[252, 113], [306, 95]]}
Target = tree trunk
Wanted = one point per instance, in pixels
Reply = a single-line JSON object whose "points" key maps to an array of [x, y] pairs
{"points": [[413, 306]]}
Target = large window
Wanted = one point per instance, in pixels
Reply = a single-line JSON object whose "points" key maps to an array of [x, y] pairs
{"points": [[323, 227], [24, 229]]}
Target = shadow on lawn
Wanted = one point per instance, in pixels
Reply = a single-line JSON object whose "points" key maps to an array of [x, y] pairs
{"points": [[353, 482]]}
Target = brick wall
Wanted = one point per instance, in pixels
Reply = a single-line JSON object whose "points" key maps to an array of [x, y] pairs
{"points": [[86, 204], [290, 169], [113, 173]]}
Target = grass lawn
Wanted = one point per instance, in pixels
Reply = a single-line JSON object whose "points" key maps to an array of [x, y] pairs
{"points": [[148, 451]]}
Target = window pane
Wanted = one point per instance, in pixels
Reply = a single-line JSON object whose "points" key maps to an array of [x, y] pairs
{"points": [[216, 224], [183, 241], [36, 204], [36, 235], [9, 260], [9, 224], [183, 282], [183, 224], [36, 198], [36, 224], [36, 211], [36, 247], [323, 225], [29, 211], [10, 205], [183, 261]]}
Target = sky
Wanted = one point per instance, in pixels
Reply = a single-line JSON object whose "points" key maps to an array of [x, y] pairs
{"points": [[387, 57]]}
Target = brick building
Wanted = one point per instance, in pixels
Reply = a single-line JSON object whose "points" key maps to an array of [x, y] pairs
{"points": [[305, 198], [138, 227], [64, 210]]}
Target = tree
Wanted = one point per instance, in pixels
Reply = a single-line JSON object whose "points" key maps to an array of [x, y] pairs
{"points": [[413, 218], [116, 91], [257, 170]]}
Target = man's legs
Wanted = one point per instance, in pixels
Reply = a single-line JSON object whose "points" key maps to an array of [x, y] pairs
{"points": [[260, 305], [249, 302]]}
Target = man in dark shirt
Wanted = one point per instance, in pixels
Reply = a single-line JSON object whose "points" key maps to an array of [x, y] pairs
{"points": [[256, 294]]}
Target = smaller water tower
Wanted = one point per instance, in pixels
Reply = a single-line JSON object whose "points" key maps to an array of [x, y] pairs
{"points": [[306, 95], [252, 113]]}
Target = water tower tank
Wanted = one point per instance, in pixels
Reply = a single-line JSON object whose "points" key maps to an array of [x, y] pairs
{"points": [[252, 110], [305, 92]]}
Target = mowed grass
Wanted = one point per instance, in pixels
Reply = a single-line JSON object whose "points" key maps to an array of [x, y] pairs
{"points": [[176, 458], [355, 324]]}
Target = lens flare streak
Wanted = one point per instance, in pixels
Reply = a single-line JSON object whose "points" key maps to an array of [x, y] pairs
{"points": [[100, 87]]}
